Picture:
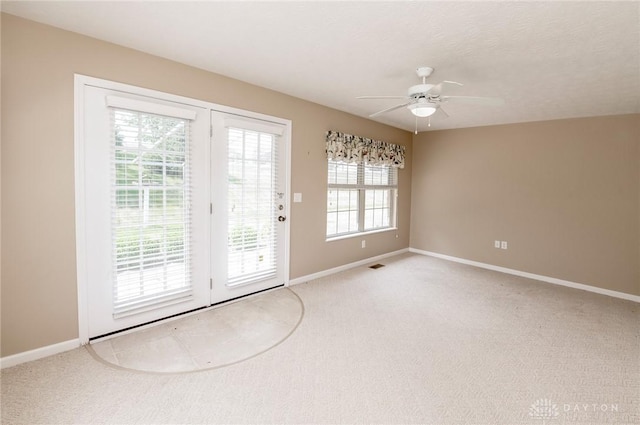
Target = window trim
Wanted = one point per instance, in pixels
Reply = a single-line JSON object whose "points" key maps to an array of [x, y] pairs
{"points": [[357, 234]]}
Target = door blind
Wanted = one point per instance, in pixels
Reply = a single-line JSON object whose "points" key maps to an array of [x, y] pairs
{"points": [[151, 223], [252, 205]]}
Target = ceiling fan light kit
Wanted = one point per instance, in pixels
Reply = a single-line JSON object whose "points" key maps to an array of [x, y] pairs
{"points": [[422, 110]]}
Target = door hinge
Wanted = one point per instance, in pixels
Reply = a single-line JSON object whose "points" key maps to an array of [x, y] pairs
{"points": [[210, 131], [210, 283], [210, 208]]}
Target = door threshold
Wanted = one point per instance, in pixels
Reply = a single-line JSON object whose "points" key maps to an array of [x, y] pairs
{"points": [[247, 295], [156, 322]]}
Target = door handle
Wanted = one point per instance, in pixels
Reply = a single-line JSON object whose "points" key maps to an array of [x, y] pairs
{"points": [[282, 218]]}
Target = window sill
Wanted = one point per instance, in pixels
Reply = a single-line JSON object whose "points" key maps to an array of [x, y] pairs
{"points": [[360, 234]]}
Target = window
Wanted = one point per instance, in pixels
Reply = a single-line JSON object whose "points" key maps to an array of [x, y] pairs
{"points": [[362, 183], [360, 198]]}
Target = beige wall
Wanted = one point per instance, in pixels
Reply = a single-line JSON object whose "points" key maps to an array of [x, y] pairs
{"points": [[39, 302], [564, 194]]}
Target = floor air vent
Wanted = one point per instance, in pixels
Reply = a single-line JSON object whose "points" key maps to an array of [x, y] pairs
{"points": [[376, 266]]}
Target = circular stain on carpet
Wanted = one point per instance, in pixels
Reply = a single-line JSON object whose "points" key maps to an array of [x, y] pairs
{"points": [[205, 340]]}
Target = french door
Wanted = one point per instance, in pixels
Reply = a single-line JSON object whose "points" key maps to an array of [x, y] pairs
{"points": [[178, 206], [145, 215], [249, 205]]}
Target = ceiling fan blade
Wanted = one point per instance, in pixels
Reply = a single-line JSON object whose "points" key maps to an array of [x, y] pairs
{"points": [[474, 100], [443, 111], [393, 108], [437, 89], [382, 97]]}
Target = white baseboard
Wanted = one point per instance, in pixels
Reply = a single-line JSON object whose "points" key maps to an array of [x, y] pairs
{"points": [[328, 272], [542, 278], [38, 353]]}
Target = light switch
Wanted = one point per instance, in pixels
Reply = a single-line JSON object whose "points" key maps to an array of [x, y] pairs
{"points": [[297, 197]]}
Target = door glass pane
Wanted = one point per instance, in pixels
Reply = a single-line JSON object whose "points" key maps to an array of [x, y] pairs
{"points": [[150, 221], [252, 209]]}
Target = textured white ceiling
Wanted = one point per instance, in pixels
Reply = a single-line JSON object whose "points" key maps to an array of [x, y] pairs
{"points": [[547, 60]]}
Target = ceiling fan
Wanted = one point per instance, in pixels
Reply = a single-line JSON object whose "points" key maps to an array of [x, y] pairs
{"points": [[424, 100]]}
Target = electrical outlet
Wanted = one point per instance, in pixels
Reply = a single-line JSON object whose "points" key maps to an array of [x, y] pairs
{"points": [[503, 245], [496, 244], [364, 244]]}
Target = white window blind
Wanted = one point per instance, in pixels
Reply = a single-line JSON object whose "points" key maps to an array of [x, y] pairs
{"points": [[151, 222], [252, 205], [360, 197]]}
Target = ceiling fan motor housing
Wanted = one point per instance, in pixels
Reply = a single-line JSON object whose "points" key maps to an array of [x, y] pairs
{"points": [[419, 90]]}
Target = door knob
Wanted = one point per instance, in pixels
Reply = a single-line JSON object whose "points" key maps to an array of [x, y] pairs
{"points": [[282, 218]]}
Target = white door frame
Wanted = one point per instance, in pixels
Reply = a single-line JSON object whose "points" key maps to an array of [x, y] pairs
{"points": [[80, 83]]}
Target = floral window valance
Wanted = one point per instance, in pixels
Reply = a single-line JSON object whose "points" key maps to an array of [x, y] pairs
{"points": [[349, 148]]}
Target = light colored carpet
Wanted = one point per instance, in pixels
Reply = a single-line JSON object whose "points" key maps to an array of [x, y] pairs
{"points": [[421, 340], [208, 339]]}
